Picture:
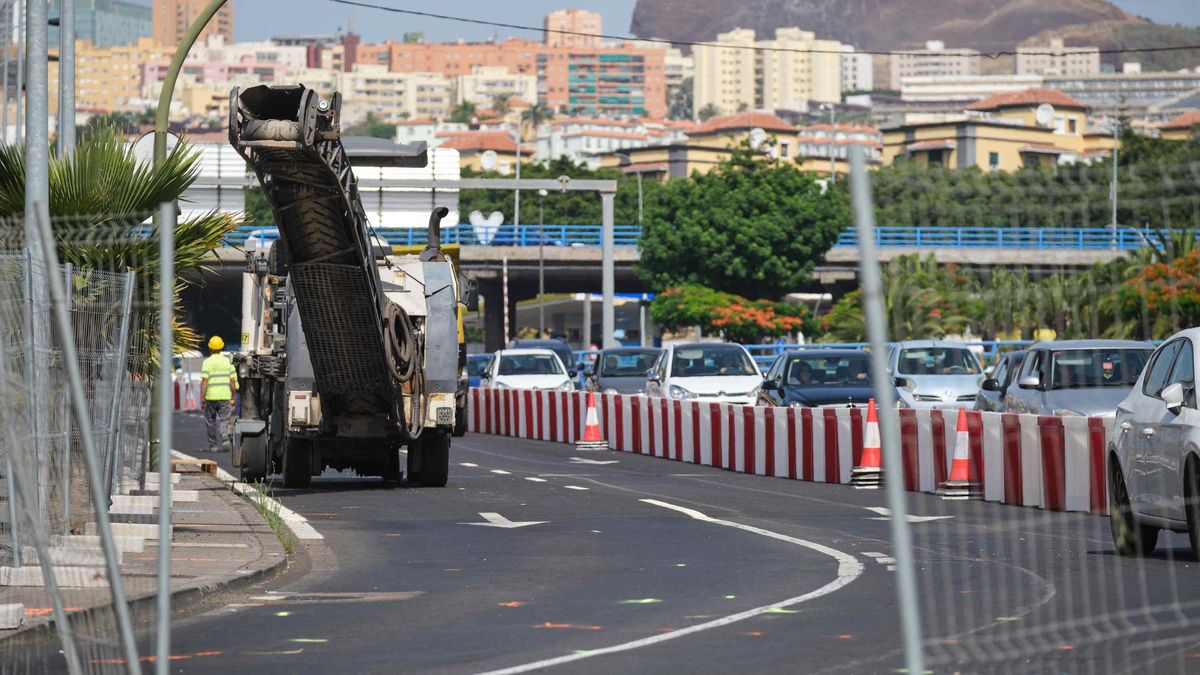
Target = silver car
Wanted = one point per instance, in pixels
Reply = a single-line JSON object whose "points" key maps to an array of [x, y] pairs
{"points": [[1154, 452], [935, 373], [1077, 377]]}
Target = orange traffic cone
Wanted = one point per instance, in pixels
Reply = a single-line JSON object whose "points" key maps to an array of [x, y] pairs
{"points": [[592, 438], [868, 475], [958, 485]]}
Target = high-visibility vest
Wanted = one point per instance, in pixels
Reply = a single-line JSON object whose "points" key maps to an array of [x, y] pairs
{"points": [[219, 373]]}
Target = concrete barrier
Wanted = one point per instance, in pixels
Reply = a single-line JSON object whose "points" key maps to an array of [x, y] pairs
{"points": [[1054, 463]]}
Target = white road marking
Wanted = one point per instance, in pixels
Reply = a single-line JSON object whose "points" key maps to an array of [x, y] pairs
{"points": [[502, 472], [872, 554], [581, 460], [297, 523], [468, 465], [891, 568], [574, 487], [849, 569], [887, 515], [535, 479], [886, 561], [497, 520]]}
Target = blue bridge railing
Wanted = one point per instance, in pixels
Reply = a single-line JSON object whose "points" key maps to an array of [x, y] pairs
{"points": [[588, 236]]}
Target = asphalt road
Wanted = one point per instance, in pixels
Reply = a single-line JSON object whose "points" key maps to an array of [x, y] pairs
{"points": [[641, 564]]}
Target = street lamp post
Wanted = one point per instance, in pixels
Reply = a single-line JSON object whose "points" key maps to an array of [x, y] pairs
{"points": [[542, 263], [832, 139]]}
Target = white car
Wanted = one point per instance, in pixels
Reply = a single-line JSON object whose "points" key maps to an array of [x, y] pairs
{"points": [[705, 371], [1154, 453], [526, 369]]}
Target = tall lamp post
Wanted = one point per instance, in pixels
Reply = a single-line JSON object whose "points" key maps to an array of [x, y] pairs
{"points": [[542, 263], [832, 139]]}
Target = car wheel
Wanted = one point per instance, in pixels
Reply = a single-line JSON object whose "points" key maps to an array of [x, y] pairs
{"points": [[1191, 503], [1129, 537]]}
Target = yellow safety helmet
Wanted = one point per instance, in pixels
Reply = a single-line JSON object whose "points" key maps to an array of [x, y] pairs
{"points": [[215, 343]]}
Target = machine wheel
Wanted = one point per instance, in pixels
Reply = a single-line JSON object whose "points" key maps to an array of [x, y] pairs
{"points": [[1129, 537], [460, 420], [253, 458], [429, 459], [1191, 503], [297, 464]]}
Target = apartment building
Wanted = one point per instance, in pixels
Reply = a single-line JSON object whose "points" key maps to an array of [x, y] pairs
{"points": [[103, 23], [1058, 59], [858, 70], [573, 28], [393, 96], [485, 84], [170, 20], [935, 61], [739, 72], [818, 143], [110, 78]]}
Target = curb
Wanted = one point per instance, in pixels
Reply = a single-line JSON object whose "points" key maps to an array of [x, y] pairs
{"points": [[183, 598]]}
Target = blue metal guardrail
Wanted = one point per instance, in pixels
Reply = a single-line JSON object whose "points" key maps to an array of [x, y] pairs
{"points": [[588, 236]]}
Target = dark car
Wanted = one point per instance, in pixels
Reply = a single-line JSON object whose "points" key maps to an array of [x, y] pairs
{"points": [[622, 370], [818, 378], [557, 346], [476, 367], [991, 393]]}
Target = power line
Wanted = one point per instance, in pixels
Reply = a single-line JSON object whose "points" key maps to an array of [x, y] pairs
{"points": [[684, 43]]}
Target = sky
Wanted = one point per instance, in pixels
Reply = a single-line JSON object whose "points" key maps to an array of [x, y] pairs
{"points": [[261, 19]]}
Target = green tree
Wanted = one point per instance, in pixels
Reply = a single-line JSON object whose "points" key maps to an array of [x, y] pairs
{"points": [[708, 112], [749, 227], [463, 113], [734, 317], [372, 126], [682, 102]]}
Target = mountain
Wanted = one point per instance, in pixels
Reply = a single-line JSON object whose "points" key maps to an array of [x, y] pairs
{"points": [[883, 25]]}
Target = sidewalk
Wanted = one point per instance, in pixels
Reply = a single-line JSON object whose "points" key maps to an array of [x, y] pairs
{"points": [[220, 540]]}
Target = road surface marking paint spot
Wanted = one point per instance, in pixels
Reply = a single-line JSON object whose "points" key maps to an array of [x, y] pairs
{"points": [[872, 554], [699, 616], [514, 603], [886, 561], [309, 641], [452, 569], [640, 601], [283, 653], [1066, 648], [781, 610], [595, 531], [46, 611], [681, 564], [849, 568], [283, 613], [843, 636], [468, 465], [730, 597], [1008, 618], [502, 472], [535, 479], [567, 626], [751, 633], [392, 534], [575, 487]]}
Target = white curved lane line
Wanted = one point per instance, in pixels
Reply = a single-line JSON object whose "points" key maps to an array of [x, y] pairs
{"points": [[849, 569]]}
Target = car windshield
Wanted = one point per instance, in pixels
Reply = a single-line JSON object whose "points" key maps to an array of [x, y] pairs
{"points": [[530, 364], [1073, 368], [477, 367], [715, 360], [633, 364], [938, 361], [829, 371]]}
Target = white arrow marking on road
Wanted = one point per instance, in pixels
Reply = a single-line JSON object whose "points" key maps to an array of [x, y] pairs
{"points": [[497, 520], [887, 515], [580, 460]]}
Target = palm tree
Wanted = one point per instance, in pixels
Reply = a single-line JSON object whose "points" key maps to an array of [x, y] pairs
{"points": [[101, 198]]}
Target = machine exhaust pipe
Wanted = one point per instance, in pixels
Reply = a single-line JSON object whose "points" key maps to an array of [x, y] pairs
{"points": [[434, 248]]}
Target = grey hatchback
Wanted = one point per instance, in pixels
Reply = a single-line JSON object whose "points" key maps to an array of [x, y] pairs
{"points": [[622, 370], [1077, 377]]}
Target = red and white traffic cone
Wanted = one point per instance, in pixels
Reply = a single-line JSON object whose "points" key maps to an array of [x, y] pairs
{"points": [[868, 475], [959, 485], [592, 438]]}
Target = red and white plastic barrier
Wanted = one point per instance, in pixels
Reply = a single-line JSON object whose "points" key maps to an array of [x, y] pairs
{"points": [[1028, 460]]}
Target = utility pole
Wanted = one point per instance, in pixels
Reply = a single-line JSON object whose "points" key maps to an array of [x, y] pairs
{"points": [[542, 263], [1114, 186], [7, 9], [66, 79], [20, 132]]}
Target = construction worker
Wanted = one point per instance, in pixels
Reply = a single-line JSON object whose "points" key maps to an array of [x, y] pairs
{"points": [[218, 383]]}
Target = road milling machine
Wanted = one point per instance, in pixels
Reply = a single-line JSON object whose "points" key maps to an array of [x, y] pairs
{"points": [[350, 353]]}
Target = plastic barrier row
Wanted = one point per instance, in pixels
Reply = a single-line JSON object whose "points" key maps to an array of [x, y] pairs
{"points": [[1054, 463]]}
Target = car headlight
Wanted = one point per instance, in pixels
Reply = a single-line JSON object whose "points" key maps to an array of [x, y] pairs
{"points": [[676, 391], [1060, 412], [928, 398], [567, 386], [900, 403]]}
